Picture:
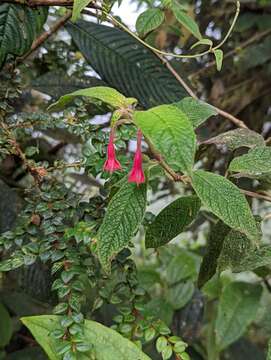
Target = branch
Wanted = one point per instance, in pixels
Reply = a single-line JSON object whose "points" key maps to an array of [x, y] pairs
{"points": [[232, 52], [256, 195], [44, 36], [239, 123], [34, 3], [176, 177]]}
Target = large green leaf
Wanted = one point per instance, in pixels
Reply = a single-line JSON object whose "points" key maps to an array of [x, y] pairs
{"points": [[237, 138], [107, 343], [180, 294], [237, 308], [19, 26], [197, 111], [256, 162], [103, 93], [171, 221], [123, 217], [182, 267], [57, 83], [5, 326], [185, 20], [125, 64], [171, 133], [209, 262], [255, 55], [236, 246], [257, 258], [225, 200], [149, 20]]}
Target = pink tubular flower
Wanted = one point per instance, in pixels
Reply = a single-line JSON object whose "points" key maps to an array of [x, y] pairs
{"points": [[111, 164], [137, 174]]}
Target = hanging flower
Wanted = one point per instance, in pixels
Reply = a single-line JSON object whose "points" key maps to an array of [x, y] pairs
{"points": [[111, 164], [137, 174]]}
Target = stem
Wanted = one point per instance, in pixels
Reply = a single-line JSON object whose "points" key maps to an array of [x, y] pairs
{"points": [[44, 36], [229, 54], [176, 177], [256, 195], [231, 27], [114, 20], [239, 123]]}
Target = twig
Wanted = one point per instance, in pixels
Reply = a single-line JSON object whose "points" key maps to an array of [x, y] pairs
{"points": [[163, 164], [76, 164], [44, 36], [229, 54], [225, 114], [233, 119], [34, 3], [37, 172], [256, 195]]}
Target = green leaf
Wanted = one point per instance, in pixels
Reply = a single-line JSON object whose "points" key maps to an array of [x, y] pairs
{"points": [[171, 221], [237, 138], [256, 162], [125, 64], [161, 344], [259, 257], [197, 111], [123, 217], [218, 58], [167, 353], [237, 308], [171, 133], [225, 200], [203, 42], [78, 6], [181, 267], [12, 263], [19, 26], [5, 327], [117, 347], [180, 294], [255, 55], [214, 246], [149, 20], [57, 83], [186, 20], [159, 306], [236, 247], [105, 94]]}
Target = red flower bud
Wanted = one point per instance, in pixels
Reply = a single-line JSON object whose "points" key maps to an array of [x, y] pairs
{"points": [[111, 164], [137, 174]]}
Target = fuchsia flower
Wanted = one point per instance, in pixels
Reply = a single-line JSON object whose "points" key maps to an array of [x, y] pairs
{"points": [[111, 164], [137, 174]]}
